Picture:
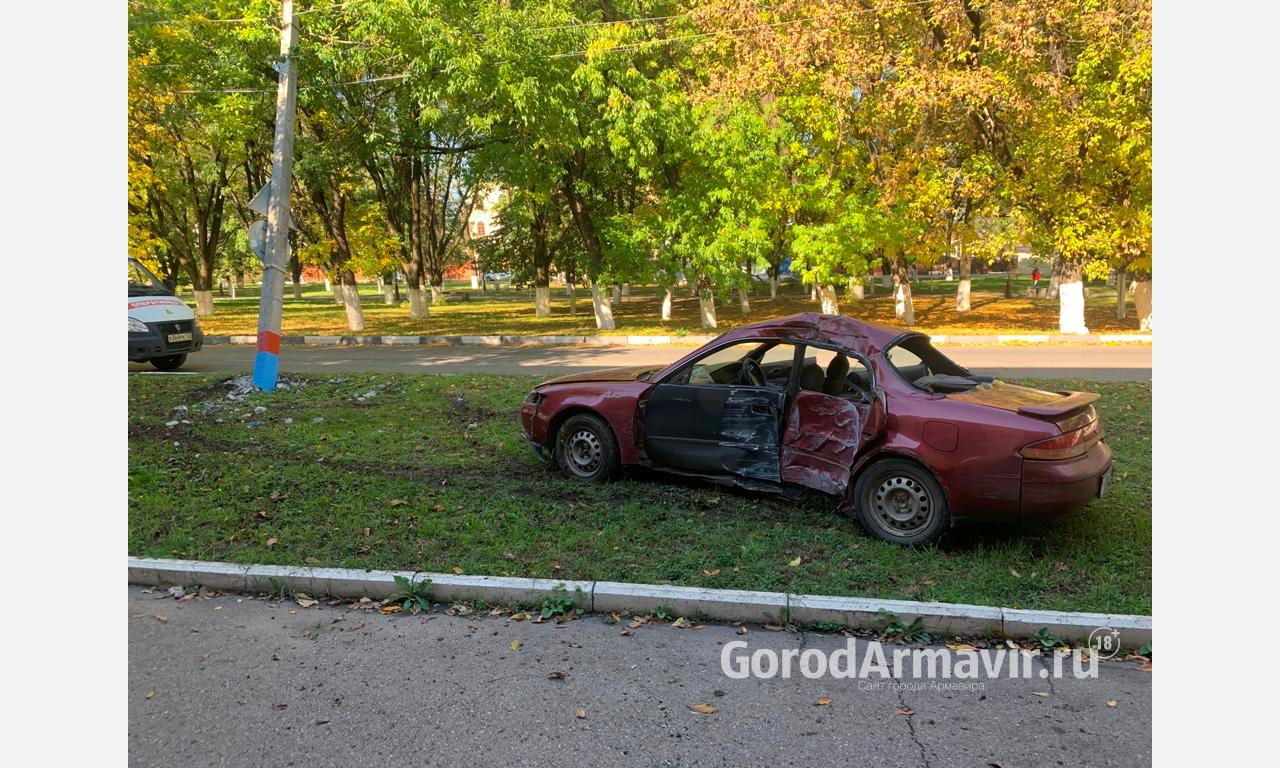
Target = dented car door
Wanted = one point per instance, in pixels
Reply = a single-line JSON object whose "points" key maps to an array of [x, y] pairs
{"points": [[824, 436], [714, 430]]}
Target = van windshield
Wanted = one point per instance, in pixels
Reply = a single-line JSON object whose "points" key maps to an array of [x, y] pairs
{"points": [[143, 283]]}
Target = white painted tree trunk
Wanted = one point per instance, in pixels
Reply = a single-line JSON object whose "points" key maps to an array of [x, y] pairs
{"points": [[380, 282], [1142, 303], [667, 296], [542, 301], [355, 313], [616, 295], [1071, 307], [437, 294], [204, 303], [744, 301], [328, 285], [388, 294], [856, 291], [1122, 290], [707, 308], [475, 283], [1055, 284], [418, 309], [626, 289], [962, 295], [571, 290], [813, 292], [903, 308], [827, 297], [337, 294], [297, 290], [602, 309], [773, 286]]}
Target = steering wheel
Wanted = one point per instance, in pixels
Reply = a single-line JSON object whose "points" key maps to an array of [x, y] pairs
{"points": [[750, 373]]}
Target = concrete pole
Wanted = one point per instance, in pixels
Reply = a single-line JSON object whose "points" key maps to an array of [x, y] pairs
{"points": [[266, 364]]}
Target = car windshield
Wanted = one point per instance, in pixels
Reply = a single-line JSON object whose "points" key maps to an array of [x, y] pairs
{"points": [[143, 283], [921, 364]]}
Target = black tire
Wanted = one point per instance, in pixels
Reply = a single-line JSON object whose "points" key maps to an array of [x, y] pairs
{"points": [[169, 362], [899, 502], [586, 448]]}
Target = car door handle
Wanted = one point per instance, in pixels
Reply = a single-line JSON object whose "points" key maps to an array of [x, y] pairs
{"points": [[762, 410]]}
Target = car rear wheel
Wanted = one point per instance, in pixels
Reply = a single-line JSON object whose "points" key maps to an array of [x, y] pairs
{"points": [[169, 362], [900, 502], [586, 448]]}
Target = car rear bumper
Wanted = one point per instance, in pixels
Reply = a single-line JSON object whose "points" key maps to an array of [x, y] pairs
{"points": [[1054, 487], [155, 342]]}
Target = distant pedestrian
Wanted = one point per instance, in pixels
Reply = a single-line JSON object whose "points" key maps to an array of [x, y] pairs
{"points": [[1035, 278]]}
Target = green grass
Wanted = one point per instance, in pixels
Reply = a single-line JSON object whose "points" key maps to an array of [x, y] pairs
{"points": [[431, 474], [511, 312]]}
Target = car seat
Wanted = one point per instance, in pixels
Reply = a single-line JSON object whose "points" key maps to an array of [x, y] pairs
{"points": [[837, 372]]}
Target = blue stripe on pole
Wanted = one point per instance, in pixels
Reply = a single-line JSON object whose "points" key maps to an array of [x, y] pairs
{"points": [[266, 369]]}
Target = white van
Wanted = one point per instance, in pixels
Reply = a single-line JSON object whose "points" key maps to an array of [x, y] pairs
{"points": [[162, 328]]}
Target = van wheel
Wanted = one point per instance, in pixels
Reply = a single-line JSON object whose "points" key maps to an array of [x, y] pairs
{"points": [[586, 448], [169, 362], [898, 502]]}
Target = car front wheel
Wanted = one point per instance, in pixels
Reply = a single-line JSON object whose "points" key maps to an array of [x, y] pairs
{"points": [[169, 362], [899, 502], [586, 448]]}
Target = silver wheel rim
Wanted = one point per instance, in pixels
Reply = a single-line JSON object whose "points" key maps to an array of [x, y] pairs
{"points": [[901, 505], [584, 453]]}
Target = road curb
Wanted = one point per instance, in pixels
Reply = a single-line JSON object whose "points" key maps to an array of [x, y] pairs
{"points": [[649, 341], [943, 619]]}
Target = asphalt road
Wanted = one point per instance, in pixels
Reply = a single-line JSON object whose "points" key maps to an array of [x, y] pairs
{"points": [[1107, 363], [240, 681]]}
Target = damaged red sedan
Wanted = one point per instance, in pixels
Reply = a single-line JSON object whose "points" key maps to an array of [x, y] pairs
{"points": [[906, 439]]}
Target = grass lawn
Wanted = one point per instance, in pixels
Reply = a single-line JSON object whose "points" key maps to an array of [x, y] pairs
{"points": [[510, 312], [430, 473]]}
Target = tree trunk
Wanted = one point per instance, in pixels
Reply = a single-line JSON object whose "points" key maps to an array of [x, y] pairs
{"points": [[962, 290], [813, 292], [351, 300], [856, 291], [232, 284], [437, 289], [602, 309], [744, 301], [1008, 282], [328, 285], [903, 308], [1071, 299], [1142, 302], [626, 290], [542, 301], [570, 289], [1122, 289], [539, 230], [773, 286], [337, 292], [827, 297], [418, 308], [666, 303], [388, 294], [615, 295], [1055, 277], [204, 303], [295, 271], [706, 305]]}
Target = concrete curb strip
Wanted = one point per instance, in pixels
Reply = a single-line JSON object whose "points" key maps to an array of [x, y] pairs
{"points": [[643, 341], [610, 596]]}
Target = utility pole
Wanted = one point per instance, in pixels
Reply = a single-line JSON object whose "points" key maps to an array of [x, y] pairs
{"points": [[266, 364]]}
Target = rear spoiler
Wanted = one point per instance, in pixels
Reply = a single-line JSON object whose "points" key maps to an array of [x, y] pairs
{"points": [[1071, 401]]}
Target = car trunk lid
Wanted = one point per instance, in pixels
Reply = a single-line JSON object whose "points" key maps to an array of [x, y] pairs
{"points": [[1062, 408]]}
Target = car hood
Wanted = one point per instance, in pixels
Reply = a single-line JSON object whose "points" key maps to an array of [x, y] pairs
{"points": [[1025, 400], [605, 374]]}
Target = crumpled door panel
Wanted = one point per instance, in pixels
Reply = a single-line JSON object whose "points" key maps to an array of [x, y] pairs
{"points": [[821, 442]]}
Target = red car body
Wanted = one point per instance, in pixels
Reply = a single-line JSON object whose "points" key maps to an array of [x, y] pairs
{"points": [[994, 449]]}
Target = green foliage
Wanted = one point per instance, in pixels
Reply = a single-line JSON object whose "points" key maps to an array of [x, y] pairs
{"points": [[558, 604], [894, 629], [413, 596]]}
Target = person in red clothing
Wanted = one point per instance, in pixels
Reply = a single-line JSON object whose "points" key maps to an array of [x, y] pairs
{"points": [[1035, 278]]}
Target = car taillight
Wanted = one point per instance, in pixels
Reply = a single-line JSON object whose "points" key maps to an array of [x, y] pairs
{"points": [[1068, 445]]}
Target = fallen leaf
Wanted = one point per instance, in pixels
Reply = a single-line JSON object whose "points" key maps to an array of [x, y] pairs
{"points": [[1041, 694], [774, 627], [681, 623], [742, 630], [160, 617], [625, 633], [515, 645], [795, 562], [389, 608], [710, 571], [519, 616], [456, 570], [398, 502], [150, 694], [1011, 644], [305, 600], [1112, 703], [1014, 573], [581, 713], [904, 711], [961, 647], [635, 623], [822, 702], [509, 555], [704, 709], [271, 542], [556, 676], [313, 560]]}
